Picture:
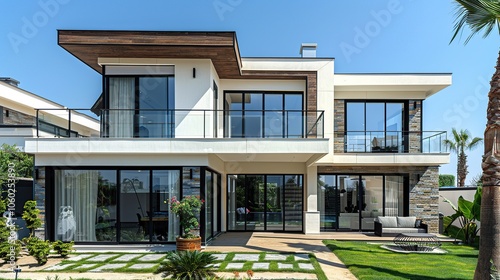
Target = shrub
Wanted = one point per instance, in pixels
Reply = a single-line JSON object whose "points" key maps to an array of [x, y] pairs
{"points": [[30, 216], [188, 265], [39, 249], [8, 250], [63, 248]]}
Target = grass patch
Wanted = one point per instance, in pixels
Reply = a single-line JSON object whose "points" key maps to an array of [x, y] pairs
{"points": [[369, 261], [317, 268]]}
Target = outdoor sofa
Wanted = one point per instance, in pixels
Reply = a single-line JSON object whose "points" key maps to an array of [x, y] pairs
{"points": [[394, 225]]}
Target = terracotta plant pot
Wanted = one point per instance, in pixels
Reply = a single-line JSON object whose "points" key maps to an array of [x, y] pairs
{"points": [[188, 244]]}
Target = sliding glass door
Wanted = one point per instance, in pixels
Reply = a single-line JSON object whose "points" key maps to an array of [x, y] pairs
{"points": [[265, 202]]}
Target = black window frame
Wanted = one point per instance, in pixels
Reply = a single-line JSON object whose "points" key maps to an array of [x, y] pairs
{"points": [[405, 121]]}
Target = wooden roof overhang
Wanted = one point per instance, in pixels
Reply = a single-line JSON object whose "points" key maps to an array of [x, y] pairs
{"points": [[89, 45]]}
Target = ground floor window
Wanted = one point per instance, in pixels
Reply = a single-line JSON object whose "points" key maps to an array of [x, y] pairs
{"points": [[128, 205], [265, 202], [351, 202]]}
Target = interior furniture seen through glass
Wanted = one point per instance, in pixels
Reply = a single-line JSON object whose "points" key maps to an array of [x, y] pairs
{"points": [[352, 202]]}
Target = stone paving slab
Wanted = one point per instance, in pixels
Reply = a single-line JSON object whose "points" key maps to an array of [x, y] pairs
{"points": [[151, 257], [260, 266], [86, 266], [109, 266], [59, 267], [285, 266], [234, 266], [220, 257], [275, 257], [142, 265], [246, 257], [102, 257], [307, 266], [127, 257], [76, 258], [302, 257]]}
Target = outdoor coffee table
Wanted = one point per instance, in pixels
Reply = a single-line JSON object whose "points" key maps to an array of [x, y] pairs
{"points": [[417, 241]]}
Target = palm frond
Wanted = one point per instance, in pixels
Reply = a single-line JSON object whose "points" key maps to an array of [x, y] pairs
{"points": [[478, 15]]}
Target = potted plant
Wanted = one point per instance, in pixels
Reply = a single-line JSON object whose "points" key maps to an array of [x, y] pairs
{"points": [[188, 210]]}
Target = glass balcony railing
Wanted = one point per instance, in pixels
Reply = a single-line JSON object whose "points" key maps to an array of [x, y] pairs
{"points": [[121, 123], [390, 141]]}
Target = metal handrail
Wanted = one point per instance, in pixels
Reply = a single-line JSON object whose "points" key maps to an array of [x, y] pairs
{"points": [[289, 119], [376, 141]]}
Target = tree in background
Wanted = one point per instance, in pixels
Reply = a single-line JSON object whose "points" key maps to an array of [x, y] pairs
{"points": [[446, 180], [23, 162], [462, 141], [484, 15]]}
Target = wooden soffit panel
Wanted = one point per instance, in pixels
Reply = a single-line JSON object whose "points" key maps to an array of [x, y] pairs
{"points": [[220, 47]]}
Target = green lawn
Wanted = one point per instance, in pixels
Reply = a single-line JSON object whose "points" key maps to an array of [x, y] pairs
{"points": [[369, 261]]}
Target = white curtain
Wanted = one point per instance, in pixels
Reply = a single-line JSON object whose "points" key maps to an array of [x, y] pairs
{"points": [[76, 204], [121, 105], [173, 220], [393, 188]]}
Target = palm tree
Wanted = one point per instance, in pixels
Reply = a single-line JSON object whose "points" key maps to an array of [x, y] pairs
{"points": [[462, 140], [484, 15]]}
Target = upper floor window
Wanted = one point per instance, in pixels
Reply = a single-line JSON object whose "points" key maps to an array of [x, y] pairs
{"points": [[139, 102], [376, 126], [264, 115]]}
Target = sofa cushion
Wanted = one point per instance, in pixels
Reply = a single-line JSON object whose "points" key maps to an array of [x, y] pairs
{"points": [[388, 222], [406, 222]]}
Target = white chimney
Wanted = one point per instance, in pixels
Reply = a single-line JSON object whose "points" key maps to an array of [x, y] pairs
{"points": [[308, 49]]}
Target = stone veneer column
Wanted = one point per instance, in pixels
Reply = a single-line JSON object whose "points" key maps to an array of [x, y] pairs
{"points": [[338, 125], [39, 197], [415, 126], [424, 197]]}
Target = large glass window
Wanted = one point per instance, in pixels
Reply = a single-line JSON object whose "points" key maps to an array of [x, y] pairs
{"points": [[265, 202], [376, 126], [140, 106], [351, 202], [264, 115], [115, 205]]}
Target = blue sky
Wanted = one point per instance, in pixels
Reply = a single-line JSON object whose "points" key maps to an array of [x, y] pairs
{"points": [[385, 36]]}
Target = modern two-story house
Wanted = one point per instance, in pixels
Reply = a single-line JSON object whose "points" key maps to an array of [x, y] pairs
{"points": [[271, 144]]}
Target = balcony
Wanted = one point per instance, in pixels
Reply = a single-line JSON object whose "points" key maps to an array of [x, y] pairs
{"points": [[123, 123], [390, 142]]}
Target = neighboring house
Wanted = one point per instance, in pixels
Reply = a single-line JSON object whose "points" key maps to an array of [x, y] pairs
{"points": [[271, 144], [19, 114]]}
